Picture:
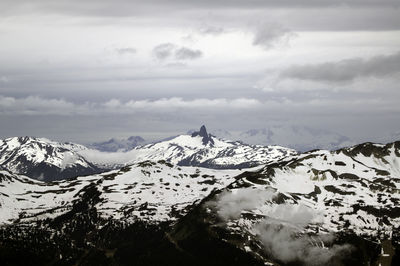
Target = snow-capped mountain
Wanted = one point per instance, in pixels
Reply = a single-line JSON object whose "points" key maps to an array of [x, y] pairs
{"points": [[205, 150], [116, 145], [300, 210], [44, 159], [300, 138], [48, 160]]}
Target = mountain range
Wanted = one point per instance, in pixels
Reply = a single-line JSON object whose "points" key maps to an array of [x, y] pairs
{"points": [[47, 160], [316, 208], [205, 150], [118, 145]]}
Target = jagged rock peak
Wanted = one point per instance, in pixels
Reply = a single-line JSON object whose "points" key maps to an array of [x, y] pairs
{"points": [[207, 138], [203, 131]]}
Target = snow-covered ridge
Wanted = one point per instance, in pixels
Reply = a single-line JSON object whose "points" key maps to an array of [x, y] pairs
{"points": [[205, 150], [44, 159], [354, 190], [151, 191]]}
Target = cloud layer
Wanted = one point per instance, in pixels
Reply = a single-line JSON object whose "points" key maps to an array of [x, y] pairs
{"points": [[346, 70], [155, 66]]}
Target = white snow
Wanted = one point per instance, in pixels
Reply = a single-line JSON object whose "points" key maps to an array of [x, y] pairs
{"points": [[162, 188]]}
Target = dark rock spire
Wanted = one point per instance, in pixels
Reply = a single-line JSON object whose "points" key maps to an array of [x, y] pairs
{"points": [[207, 138]]}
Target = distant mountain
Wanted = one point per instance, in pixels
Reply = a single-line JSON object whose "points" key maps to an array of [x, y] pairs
{"points": [[48, 160], [317, 208], [205, 150], [43, 159], [300, 138], [118, 145], [393, 136]]}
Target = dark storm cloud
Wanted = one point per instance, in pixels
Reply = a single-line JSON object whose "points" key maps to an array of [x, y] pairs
{"points": [[346, 70]]}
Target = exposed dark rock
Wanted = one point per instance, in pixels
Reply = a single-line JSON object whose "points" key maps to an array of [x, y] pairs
{"points": [[207, 138]]}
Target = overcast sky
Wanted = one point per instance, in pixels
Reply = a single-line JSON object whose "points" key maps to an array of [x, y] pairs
{"points": [[89, 70]]}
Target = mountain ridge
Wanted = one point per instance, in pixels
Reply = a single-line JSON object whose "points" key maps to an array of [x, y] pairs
{"points": [[48, 160], [44, 159], [332, 205]]}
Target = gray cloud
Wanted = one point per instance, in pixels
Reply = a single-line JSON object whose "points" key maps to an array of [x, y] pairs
{"points": [[211, 30], [163, 51], [75, 76], [269, 35], [184, 53], [3, 79], [126, 50], [301, 15], [168, 50], [124, 7], [34, 105], [346, 70]]}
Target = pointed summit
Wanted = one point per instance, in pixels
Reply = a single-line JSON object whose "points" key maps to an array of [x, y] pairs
{"points": [[207, 138], [203, 131]]}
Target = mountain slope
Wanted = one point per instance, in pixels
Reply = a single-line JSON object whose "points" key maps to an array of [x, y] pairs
{"points": [[204, 150], [116, 218], [151, 191], [44, 159], [307, 209]]}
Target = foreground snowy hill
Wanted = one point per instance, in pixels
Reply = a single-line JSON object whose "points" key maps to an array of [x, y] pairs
{"points": [[151, 191], [44, 159], [291, 211]]}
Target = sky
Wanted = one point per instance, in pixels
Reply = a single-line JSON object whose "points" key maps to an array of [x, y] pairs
{"points": [[86, 71]]}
